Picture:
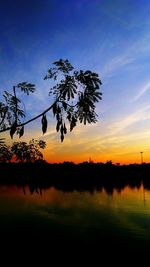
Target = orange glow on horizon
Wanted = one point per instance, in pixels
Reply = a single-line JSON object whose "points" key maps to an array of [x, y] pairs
{"points": [[94, 160]]}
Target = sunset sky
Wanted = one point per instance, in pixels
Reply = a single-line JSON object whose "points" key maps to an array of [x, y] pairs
{"points": [[110, 37]]}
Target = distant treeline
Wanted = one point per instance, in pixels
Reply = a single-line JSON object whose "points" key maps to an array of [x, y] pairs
{"points": [[68, 176]]}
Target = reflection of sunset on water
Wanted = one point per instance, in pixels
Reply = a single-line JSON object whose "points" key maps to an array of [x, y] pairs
{"points": [[77, 215]]}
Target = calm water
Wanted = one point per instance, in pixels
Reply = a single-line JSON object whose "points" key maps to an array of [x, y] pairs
{"points": [[122, 218]]}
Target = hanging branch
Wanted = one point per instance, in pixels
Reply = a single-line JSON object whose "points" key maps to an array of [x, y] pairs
{"points": [[75, 98]]}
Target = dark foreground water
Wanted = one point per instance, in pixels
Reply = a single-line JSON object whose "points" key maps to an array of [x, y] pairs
{"points": [[51, 218]]}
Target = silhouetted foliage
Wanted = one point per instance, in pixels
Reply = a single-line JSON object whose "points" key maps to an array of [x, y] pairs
{"points": [[74, 99], [68, 176], [5, 153], [24, 152]]}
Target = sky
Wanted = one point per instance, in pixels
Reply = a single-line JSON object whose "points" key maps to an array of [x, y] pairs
{"points": [[110, 37]]}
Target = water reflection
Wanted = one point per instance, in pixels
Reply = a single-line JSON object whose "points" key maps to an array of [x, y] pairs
{"points": [[122, 217]]}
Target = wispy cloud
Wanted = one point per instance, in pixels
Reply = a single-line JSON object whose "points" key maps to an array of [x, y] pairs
{"points": [[130, 119], [132, 53], [142, 91], [116, 63]]}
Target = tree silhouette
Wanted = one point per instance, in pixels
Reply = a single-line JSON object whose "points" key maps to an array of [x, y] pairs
{"points": [[5, 153], [74, 99], [24, 152]]}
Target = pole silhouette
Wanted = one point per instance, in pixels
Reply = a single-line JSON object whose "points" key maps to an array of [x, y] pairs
{"points": [[141, 157]]}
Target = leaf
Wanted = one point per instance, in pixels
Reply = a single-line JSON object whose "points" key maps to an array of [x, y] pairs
{"points": [[54, 108], [21, 133], [64, 104], [57, 117], [65, 129], [62, 129], [69, 116], [58, 126], [73, 123], [58, 109], [26, 87], [21, 113], [13, 129], [71, 126], [42, 144], [63, 65], [62, 137], [44, 124]]}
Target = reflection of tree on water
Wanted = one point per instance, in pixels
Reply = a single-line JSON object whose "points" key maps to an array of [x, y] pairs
{"points": [[144, 198], [37, 189], [69, 177], [34, 189], [24, 190]]}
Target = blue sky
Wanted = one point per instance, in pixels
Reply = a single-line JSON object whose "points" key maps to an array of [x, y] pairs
{"points": [[109, 37]]}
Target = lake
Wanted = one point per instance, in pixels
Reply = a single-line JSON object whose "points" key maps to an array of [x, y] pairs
{"points": [[120, 219]]}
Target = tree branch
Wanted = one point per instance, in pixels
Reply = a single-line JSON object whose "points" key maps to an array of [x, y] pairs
{"points": [[38, 116], [16, 108], [26, 122], [3, 117], [65, 106], [71, 106]]}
